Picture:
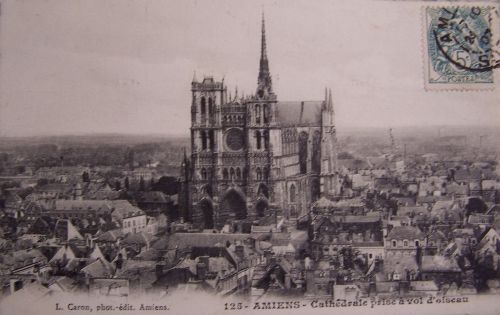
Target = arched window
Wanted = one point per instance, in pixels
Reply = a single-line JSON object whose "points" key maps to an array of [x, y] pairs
{"points": [[231, 173], [292, 193], [210, 106], [211, 138], [203, 106], [266, 113], [394, 244], [258, 173], [258, 140], [316, 151], [238, 173], [225, 174], [203, 140], [405, 243], [417, 243], [266, 139], [303, 139], [257, 114], [203, 174]]}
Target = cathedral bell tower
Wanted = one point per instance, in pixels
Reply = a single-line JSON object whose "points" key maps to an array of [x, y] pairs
{"points": [[261, 129]]}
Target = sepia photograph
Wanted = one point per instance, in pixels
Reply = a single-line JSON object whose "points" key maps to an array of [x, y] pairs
{"points": [[249, 157]]}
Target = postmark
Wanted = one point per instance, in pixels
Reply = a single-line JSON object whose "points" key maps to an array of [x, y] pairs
{"points": [[461, 50]]}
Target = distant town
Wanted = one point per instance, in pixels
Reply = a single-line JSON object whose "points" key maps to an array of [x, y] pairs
{"points": [[417, 216]]}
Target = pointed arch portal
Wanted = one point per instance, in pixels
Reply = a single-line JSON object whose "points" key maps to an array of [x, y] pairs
{"points": [[235, 202], [261, 207]]}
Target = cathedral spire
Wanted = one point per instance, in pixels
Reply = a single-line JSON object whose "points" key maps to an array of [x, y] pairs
{"points": [[263, 48], [264, 83], [330, 101], [325, 104]]}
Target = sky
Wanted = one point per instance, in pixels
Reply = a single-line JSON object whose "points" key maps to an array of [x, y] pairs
{"points": [[125, 66]]}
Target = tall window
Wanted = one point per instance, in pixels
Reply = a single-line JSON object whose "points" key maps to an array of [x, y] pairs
{"points": [[225, 174], [211, 139], [238, 173], [303, 138], [203, 174], [210, 106], [203, 140], [231, 173], [257, 114], [266, 113], [266, 140], [258, 139], [203, 106], [316, 151], [292, 193]]}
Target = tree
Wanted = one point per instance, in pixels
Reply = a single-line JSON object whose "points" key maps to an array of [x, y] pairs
{"points": [[167, 184]]}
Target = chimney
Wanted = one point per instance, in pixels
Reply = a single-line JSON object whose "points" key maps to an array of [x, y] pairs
{"points": [[205, 260], [201, 270]]}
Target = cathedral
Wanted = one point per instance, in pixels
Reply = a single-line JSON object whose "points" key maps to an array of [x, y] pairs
{"points": [[255, 157]]}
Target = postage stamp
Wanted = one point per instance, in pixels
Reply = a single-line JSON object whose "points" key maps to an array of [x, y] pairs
{"points": [[460, 47]]}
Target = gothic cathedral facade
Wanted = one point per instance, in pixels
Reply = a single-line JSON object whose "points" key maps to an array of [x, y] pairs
{"points": [[253, 158]]}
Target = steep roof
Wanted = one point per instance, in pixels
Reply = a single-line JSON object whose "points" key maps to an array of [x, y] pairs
{"points": [[405, 233], [307, 113], [188, 240], [83, 205], [97, 269]]}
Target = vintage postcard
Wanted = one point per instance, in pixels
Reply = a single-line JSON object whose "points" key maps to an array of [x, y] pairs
{"points": [[242, 157]]}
